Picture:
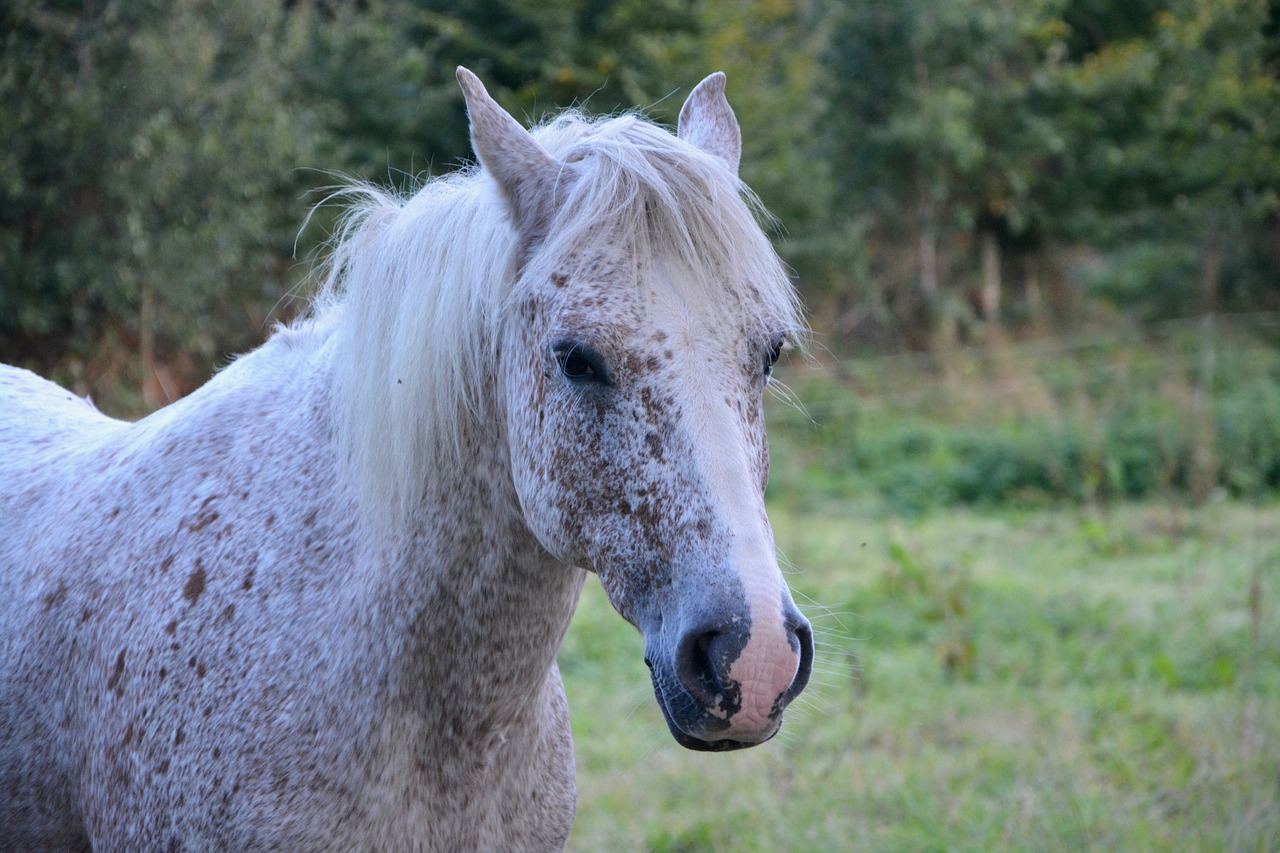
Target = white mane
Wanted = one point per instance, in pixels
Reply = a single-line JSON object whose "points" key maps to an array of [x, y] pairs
{"points": [[420, 285]]}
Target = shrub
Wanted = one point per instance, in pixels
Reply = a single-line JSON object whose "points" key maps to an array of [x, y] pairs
{"points": [[1118, 421]]}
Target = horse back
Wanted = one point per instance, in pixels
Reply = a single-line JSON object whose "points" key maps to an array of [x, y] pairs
{"points": [[41, 422], [45, 434]]}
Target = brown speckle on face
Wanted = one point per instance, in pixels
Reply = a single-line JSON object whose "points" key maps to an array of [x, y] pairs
{"points": [[194, 587], [55, 598], [113, 683]]}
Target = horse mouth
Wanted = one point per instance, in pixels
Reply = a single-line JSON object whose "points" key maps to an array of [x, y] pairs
{"points": [[702, 744], [697, 744]]}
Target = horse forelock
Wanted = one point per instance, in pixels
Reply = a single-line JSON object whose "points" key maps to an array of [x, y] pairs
{"points": [[635, 186], [420, 284]]}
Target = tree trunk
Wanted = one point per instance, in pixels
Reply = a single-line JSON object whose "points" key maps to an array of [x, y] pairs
{"points": [[991, 284], [1033, 289], [152, 394], [941, 332], [1210, 274]]}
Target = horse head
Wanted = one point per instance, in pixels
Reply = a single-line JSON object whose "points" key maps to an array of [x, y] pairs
{"points": [[646, 314]]}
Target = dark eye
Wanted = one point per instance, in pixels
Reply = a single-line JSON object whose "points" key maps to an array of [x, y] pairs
{"points": [[775, 352], [579, 362], [576, 367]]}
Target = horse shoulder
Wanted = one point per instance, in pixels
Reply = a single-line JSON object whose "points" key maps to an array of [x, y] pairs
{"points": [[134, 559]]}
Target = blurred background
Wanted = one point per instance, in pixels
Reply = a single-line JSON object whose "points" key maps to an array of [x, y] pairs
{"points": [[1029, 481]]}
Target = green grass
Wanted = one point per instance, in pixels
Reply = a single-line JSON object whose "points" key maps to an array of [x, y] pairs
{"points": [[1057, 678]]}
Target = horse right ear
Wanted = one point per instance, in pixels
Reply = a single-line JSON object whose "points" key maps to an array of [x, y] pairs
{"points": [[707, 121], [523, 169]]}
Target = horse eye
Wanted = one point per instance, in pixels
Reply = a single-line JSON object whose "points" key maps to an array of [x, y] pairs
{"points": [[775, 352], [579, 363], [576, 367]]}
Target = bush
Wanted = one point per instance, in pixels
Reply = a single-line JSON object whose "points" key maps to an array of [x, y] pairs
{"points": [[1138, 421], [1248, 428]]}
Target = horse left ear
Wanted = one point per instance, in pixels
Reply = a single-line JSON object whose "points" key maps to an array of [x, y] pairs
{"points": [[523, 169], [707, 121]]}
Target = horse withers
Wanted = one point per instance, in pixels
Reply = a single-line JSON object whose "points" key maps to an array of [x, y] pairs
{"points": [[317, 603]]}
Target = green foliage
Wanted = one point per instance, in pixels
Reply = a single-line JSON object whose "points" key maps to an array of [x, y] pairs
{"points": [[148, 157], [154, 156], [383, 73], [1248, 432], [953, 128], [1184, 415], [941, 170]]}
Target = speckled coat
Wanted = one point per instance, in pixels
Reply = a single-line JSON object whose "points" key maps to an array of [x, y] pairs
{"points": [[316, 604]]}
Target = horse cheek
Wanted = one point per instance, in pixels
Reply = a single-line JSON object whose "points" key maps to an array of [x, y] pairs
{"points": [[540, 466]]}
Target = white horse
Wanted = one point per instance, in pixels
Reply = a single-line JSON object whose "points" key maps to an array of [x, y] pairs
{"points": [[316, 604]]}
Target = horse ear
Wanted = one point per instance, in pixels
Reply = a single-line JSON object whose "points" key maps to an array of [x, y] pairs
{"points": [[523, 169], [707, 121]]}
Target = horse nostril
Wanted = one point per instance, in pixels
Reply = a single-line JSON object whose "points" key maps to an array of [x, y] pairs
{"points": [[804, 639], [698, 665]]}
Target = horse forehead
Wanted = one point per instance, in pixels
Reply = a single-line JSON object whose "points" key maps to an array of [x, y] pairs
{"points": [[650, 304]]}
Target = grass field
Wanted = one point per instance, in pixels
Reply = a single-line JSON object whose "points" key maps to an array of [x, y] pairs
{"points": [[1069, 676], [1051, 680]]}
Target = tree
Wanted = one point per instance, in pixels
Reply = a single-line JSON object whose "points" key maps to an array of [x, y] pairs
{"points": [[935, 142], [1174, 120], [383, 72], [149, 149], [982, 135], [151, 181]]}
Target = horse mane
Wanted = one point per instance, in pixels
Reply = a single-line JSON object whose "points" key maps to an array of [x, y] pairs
{"points": [[419, 284]]}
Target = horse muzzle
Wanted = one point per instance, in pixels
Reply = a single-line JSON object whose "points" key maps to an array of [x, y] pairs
{"points": [[723, 684]]}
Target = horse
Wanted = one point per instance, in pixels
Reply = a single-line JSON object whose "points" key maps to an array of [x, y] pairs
{"points": [[316, 604]]}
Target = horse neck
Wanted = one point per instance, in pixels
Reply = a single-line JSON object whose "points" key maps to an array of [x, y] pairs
{"points": [[483, 606]]}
